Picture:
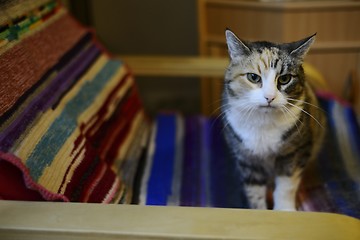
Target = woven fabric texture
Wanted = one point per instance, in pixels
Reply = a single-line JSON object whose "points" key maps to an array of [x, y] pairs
{"points": [[72, 124]]}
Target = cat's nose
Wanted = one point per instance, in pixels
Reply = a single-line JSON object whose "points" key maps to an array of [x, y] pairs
{"points": [[269, 99]]}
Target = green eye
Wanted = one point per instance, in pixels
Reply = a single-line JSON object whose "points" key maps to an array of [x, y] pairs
{"points": [[254, 78], [284, 79]]}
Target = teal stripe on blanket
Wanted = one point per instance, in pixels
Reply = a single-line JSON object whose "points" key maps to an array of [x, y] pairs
{"points": [[66, 123]]}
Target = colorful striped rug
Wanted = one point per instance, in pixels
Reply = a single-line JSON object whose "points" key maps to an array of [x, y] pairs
{"points": [[188, 165], [72, 124]]}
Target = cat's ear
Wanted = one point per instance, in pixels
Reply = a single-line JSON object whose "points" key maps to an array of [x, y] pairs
{"points": [[236, 47], [300, 48]]}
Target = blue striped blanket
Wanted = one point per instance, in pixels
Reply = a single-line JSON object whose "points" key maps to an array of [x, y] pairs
{"points": [[187, 165]]}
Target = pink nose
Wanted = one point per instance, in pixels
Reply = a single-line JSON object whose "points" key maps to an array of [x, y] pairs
{"points": [[269, 99]]}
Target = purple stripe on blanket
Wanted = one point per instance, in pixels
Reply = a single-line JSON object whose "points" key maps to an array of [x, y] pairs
{"points": [[218, 164], [190, 180], [354, 131], [209, 176], [205, 162], [226, 188], [49, 96]]}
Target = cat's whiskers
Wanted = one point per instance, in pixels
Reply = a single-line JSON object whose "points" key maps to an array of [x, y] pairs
{"points": [[215, 102], [219, 108], [249, 112], [293, 116], [223, 109], [295, 106], [284, 113], [305, 102], [220, 117], [242, 112], [226, 122]]}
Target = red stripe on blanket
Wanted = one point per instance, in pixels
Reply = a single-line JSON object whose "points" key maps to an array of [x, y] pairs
{"points": [[104, 187], [87, 167], [16, 183], [123, 120], [88, 173]]}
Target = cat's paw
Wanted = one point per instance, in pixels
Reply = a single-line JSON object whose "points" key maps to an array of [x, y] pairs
{"points": [[260, 205], [287, 209], [256, 196], [285, 206]]}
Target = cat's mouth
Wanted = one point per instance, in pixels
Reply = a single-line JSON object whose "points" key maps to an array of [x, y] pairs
{"points": [[268, 106]]}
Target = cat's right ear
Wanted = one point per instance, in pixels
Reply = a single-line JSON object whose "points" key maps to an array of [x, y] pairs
{"points": [[236, 47]]}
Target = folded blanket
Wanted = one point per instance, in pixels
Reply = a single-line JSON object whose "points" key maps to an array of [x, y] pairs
{"points": [[72, 124], [188, 165]]}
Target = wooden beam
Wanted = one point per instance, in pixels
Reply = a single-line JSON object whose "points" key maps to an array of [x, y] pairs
{"points": [[286, 5], [46, 220], [176, 66]]}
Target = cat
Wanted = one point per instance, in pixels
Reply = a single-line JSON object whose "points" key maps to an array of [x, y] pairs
{"points": [[273, 126]]}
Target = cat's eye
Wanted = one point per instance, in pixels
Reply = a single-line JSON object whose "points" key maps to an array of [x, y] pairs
{"points": [[284, 79], [254, 78]]}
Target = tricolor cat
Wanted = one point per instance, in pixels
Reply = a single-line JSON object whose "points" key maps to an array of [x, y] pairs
{"points": [[272, 123]]}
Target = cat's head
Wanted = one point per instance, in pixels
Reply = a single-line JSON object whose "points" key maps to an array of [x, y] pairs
{"points": [[264, 75]]}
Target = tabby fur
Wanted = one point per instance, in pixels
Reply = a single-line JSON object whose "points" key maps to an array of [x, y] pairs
{"points": [[272, 123]]}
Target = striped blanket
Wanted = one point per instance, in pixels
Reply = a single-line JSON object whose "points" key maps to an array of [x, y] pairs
{"points": [[188, 165], [72, 125]]}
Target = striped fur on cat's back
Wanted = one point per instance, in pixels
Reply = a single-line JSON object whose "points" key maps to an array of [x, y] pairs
{"points": [[272, 123]]}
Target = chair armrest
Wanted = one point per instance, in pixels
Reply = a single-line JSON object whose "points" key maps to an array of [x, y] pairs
{"points": [[46, 220]]}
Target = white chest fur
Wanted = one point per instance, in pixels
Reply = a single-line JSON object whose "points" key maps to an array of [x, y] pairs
{"points": [[262, 133]]}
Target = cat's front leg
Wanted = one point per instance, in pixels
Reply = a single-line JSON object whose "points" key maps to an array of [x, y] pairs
{"points": [[254, 178], [285, 191], [256, 195]]}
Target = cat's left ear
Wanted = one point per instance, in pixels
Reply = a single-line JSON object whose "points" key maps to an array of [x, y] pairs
{"points": [[236, 47], [300, 48]]}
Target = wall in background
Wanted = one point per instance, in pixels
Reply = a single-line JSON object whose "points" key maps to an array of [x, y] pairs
{"points": [[149, 27]]}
